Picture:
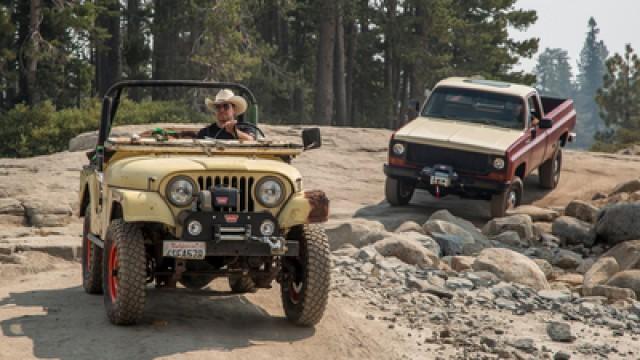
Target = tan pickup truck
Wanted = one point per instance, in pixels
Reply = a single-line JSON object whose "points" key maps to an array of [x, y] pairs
{"points": [[479, 139]]}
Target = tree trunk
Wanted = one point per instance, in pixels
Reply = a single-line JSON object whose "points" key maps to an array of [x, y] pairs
{"points": [[352, 42], [165, 41], [135, 55], [323, 97], [388, 60], [339, 70], [108, 65], [35, 17]]}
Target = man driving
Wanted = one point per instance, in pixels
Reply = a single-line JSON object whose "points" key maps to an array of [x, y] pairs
{"points": [[226, 106]]}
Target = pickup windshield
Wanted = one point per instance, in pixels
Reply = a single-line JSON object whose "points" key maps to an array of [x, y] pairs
{"points": [[476, 107]]}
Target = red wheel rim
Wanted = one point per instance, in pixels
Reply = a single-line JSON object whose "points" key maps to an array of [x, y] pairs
{"points": [[113, 273], [295, 291]]}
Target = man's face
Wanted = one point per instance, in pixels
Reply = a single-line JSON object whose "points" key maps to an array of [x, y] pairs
{"points": [[224, 112]]}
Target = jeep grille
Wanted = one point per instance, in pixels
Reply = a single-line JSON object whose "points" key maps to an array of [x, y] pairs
{"points": [[244, 184], [462, 161]]}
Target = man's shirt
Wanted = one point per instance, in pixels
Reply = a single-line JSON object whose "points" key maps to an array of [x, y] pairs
{"points": [[215, 132]]}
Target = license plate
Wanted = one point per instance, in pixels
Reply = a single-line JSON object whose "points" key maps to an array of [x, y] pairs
{"points": [[184, 249], [440, 179]]}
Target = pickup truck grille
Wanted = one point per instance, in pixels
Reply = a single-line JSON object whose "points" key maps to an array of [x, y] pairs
{"points": [[244, 184], [462, 161]]}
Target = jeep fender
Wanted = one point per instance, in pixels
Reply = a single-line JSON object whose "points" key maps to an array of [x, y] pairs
{"points": [[304, 208], [141, 206]]}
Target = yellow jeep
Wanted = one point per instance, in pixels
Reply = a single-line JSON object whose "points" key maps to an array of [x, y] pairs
{"points": [[166, 209]]}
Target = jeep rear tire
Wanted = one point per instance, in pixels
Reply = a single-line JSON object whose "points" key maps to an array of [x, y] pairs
{"points": [[549, 171], [91, 259], [509, 199], [398, 192], [124, 268], [305, 291], [241, 284]]}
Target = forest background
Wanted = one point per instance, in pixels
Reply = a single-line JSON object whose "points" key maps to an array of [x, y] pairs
{"points": [[354, 63]]}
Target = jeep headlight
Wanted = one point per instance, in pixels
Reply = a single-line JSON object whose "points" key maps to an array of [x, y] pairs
{"points": [[180, 191], [498, 163], [270, 192], [398, 149]]}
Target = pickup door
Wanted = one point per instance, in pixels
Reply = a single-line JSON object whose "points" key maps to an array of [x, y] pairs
{"points": [[538, 137]]}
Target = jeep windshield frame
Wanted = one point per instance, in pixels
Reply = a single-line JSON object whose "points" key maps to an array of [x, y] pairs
{"points": [[476, 106], [111, 101]]}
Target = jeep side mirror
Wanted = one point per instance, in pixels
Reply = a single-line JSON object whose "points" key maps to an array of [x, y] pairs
{"points": [[546, 123], [311, 138]]}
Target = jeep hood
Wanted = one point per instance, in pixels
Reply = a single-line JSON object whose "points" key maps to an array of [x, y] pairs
{"points": [[134, 172], [459, 135]]}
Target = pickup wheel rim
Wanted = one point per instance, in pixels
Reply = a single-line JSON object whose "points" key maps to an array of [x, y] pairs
{"points": [[404, 189], [113, 273], [556, 167]]}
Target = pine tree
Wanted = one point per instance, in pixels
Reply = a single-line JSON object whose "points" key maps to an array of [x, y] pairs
{"points": [[553, 73]]}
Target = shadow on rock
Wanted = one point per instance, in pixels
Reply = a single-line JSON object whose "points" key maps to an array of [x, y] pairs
{"points": [[73, 325]]}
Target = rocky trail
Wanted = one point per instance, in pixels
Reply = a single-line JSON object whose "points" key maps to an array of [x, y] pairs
{"points": [[559, 278]]}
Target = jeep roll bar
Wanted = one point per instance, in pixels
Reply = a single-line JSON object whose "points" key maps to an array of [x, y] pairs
{"points": [[111, 101]]}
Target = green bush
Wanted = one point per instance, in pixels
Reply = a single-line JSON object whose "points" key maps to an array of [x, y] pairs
{"points": [[29, 131]]}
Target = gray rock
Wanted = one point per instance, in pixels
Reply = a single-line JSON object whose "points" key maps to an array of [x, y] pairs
{"points": [[536, 213], [635, 308], [561, 355], [511, 266], [445, 232], [618, 223], [627, 254], [390, 263], [445, 215], [450, 245], [626, 187], [482, 278], [510, 238], [582, 210], [459, 283], [406, 249], [357, 232], [343, 261], [628, 279], [566, 259], [549, 240], [544, 265], [410, 226], [586, 265], [613, 293], [559, 331], [347, 250], [599, 273], [521, 224], [527, 345], [367, 253], [573, 231], [502, 303], [557, 296]]}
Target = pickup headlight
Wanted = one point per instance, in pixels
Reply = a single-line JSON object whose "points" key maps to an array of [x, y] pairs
{"points": [[498, 163], [270, 192], [398, 149], [180, 191]]}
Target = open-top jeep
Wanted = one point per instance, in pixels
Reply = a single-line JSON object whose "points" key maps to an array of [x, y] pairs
{"points": [[480, 139], [163, 207]]}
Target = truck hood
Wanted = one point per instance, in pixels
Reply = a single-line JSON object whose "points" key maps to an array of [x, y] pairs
{"points": [[459, 135], [134, 172]]}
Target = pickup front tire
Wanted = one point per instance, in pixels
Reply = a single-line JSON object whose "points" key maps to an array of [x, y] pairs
{"points": [[509, 199], [398, 192], [549, 171]]}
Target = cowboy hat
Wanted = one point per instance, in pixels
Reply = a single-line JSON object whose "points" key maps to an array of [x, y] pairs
{"points": [[226, 96]]}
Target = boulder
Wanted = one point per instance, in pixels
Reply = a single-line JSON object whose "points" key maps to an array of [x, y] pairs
{"points": [[599, 273], [626, 187], [427, 241], [571, 279], [540, 228], [567, 259], [573, 231], [628, 279], [445, 215], [535, 213], [521, 224], [357, 232], [511, 266], [627, 254], [612, 293], [544, 265], [559, 331], [450, 245], [586, 265], [453, 239], [510, 238], [462, 263], [408, 250], [582, 210], [618, 223], [408, 226]]}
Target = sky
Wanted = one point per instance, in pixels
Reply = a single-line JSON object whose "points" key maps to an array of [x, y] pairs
{"points": [[563, 24]]}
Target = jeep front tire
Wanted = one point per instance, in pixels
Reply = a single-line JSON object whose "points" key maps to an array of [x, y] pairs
{"points": [[124, 268], [398, 192], [507, 200], [305, 284]]}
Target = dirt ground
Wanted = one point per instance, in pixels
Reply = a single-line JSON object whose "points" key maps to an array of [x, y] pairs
{"points": [[48, 316]]}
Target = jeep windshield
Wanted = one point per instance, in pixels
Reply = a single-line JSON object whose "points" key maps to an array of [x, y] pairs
{"points": [[476, 107]]}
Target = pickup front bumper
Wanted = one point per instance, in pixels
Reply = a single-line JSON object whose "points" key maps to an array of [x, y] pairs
{"points": [[462, 184]]}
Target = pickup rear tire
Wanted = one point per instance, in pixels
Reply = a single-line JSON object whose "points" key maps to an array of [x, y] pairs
{"points": [[125, 273], [549, 171], [398, 192], [304, 287], [91, 259], [508, 199]]}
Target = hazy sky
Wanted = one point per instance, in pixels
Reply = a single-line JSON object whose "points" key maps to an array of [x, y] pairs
{"points": [[563, 24]]}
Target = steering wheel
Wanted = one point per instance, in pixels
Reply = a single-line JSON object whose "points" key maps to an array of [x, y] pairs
{"points": [[252, 126]]}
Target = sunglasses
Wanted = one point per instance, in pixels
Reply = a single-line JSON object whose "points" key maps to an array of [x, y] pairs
{"points": [[224, 107]]}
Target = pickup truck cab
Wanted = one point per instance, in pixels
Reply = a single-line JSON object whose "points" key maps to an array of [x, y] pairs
{"points": [[479, 139]]}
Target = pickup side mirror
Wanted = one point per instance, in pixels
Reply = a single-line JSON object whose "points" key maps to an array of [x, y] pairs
{"points": [[311, 138], [546, 123]]}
